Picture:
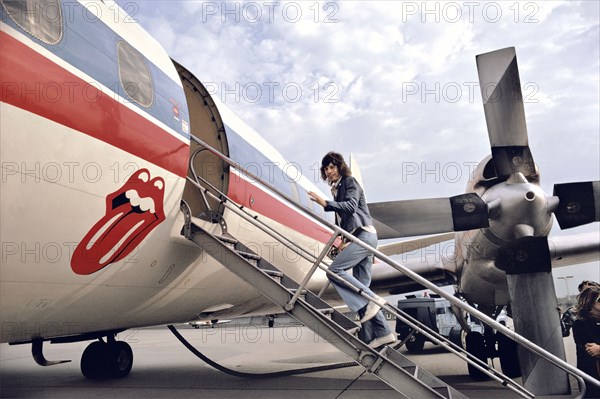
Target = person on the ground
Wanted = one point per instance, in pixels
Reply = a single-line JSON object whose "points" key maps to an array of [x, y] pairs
{"points": [[586, 333]]}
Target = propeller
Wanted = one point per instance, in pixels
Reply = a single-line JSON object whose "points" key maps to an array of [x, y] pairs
{"points": [[517, 212], [526, 257]]}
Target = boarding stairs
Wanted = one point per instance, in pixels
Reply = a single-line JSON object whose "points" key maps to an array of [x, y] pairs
{"points": [[386, 363]]}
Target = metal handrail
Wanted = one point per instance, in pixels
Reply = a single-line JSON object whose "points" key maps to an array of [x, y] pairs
{"points": [[412, 275], [409, 320], [193, 170]]}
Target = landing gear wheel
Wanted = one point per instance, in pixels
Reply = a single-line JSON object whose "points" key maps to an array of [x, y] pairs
{"points": [[458, 336], [509, 358], [107, 360], [476, 347], [120, 359], [92, 361], [415, 343]]}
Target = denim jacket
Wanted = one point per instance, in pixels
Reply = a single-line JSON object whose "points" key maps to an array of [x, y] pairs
{"points": [[350, 205]]}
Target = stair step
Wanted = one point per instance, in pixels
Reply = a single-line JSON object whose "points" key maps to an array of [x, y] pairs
{"points": [[228, 240], [249, 255], [273, 273], [327, 310], [354, 330], [444, 391], [302, 293]]}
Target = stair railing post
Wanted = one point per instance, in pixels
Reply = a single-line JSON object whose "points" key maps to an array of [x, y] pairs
{"points": [[193, 170], [290, 305], [320, 294]]}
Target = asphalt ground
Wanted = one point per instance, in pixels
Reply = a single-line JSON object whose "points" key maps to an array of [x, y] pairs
{"points": [[164, 368]]}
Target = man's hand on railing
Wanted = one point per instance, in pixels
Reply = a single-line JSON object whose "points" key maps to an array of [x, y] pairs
{"points": [[315, 197]]}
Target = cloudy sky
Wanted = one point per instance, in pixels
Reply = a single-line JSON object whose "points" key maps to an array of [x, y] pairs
{"points": [[395, 83]]}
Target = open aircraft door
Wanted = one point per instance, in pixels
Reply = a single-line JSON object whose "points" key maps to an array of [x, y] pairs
{"points": [[206, 124]]}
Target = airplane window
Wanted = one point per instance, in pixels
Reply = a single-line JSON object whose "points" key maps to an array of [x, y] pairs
{"points": [[42, 19], [135, 75]]}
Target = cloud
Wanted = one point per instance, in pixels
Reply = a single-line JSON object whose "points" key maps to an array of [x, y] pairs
{"points": [[391, 78], [395, 82]]}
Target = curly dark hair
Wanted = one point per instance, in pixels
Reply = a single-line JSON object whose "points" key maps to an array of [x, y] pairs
{"points": [[337, 160], [586, 300], [586, 284]]}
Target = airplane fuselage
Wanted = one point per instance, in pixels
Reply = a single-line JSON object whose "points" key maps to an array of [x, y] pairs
{"points": [[95, 151]]}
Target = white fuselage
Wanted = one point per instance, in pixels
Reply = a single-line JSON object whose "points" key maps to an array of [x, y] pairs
{"points": [[91, 190]]}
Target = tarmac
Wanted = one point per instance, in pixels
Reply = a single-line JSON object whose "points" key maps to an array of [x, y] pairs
{"points": [[164, 368]]}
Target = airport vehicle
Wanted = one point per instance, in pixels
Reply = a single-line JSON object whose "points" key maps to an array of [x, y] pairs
{"points": [[207, 323], [435, 313], [466, 331], [119, 169]]}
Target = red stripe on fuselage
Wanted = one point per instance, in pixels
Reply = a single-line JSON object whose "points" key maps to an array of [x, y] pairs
{"points": [[30, 81], [34, 83], [250, 196]]}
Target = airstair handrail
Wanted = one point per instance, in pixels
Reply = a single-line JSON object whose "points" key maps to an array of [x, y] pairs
{"points": [[319, 262], [409, 273]]}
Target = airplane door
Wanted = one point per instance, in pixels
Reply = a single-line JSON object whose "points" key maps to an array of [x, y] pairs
{"points": [[207, 125]]}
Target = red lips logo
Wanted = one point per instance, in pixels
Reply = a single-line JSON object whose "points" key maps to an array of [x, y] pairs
{"points": [[132, 212]]}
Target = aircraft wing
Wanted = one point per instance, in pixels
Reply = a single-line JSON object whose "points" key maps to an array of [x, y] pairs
{"points": [[574, 249], [436, 269], [389, 281], [564, 251], [402, 247]]}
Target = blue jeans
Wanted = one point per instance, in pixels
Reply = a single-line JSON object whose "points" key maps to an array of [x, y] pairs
{"points": [[360, 261]]}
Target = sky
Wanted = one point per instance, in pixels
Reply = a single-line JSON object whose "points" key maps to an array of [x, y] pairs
{"points": [[395, 84]]}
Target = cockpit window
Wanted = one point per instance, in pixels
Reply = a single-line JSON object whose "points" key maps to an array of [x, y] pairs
{"points": [[135, 75], [42, 19]]}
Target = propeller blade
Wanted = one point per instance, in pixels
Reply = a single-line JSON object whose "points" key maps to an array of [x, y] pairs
{"points": [[504, 112], [429, 216], [527, 263], [579, 203]]}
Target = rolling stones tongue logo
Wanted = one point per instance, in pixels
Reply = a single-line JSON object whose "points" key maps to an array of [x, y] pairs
{"points": [[132, 212]]}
